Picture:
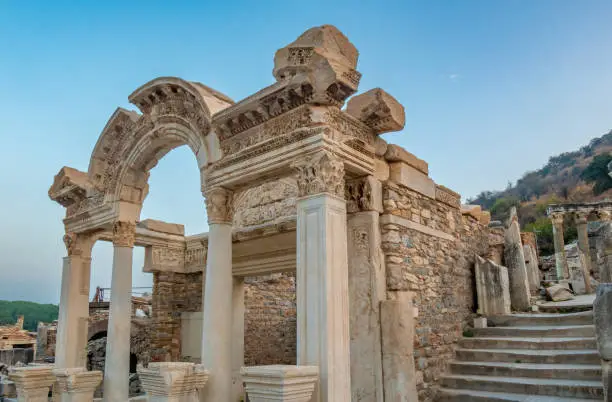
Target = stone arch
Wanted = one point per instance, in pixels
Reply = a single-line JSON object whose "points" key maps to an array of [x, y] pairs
{"points": [[97, 329], [175, 112]]}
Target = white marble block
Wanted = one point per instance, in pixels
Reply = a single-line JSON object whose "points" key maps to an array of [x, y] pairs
{"points": [[77, 384], [32, 383], [173, 381], [280, 383]]}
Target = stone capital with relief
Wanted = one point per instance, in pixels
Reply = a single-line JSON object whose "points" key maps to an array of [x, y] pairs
{"points": [[581, 217], [78, 380], [32, 383], [557, 218], [124, 234], [219, 206], [363, 194], [321, 172], [78, 244]]}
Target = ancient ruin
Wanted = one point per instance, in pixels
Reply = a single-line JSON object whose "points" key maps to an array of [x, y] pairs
{"points": [[366, 264]]}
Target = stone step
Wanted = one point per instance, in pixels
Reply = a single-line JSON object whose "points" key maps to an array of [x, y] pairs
{"points": [[525, 319], [468, 395], [532, 370], [529, 356], [531, 386], [527, 343], [538, 331]]}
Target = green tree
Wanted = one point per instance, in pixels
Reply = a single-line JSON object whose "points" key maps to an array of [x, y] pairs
{"points": [[501, 208], [32, 312], [597, 173]]}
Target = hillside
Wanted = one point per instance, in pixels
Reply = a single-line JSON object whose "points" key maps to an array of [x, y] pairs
{"points": [[32, 312], [578, 176]]}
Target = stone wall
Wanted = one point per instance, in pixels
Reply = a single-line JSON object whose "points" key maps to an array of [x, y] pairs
{"points": [[270, 326], [173, 293], [429, 250], [270, 316]]}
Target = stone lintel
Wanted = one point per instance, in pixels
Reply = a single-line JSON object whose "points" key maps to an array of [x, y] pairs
{"points": [[163, 227], [395, 153], [408, 224], [407, 176], [278, 383]]}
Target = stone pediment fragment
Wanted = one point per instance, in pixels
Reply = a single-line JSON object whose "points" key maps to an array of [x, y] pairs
{"points": [[379, 110], [324, 57], [69, 186]]}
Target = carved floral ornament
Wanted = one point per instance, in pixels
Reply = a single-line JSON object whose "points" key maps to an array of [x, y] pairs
{"points": [[321, 172], [358, 194], [557, 218], [124, 234], [219, 206], [78, 244]]}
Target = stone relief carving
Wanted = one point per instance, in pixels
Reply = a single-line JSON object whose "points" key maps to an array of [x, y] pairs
{"points": [[448, 197], [265, 203], [321, 172], [219, 205], [124, 234], [195, 257], [358, 195], [168, 256]]}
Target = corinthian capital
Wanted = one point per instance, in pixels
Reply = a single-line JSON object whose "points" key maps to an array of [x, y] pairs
{"points": [[78, 244], [321, 172], [557, 218], [124, 234], [219, 206]]}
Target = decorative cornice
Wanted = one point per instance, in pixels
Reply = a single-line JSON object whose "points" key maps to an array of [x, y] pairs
{"points": [[219, 206], [124, 234], [321, 172]]}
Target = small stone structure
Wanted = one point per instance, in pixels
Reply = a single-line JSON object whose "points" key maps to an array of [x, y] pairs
{"points": [[173, 382], [280, 383], [16, 344], [293, 184]]}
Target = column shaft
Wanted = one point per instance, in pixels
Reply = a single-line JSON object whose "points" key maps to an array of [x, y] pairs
{"points": [[117, 367], [322, 294], [217, 319], [583, 245], [367, 289], [74, 304], [560, 259]]}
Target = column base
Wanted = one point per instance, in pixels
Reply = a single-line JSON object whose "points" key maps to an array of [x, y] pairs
{"points": [[33, 383], [77, 384], [173, 381], [280, 383]]}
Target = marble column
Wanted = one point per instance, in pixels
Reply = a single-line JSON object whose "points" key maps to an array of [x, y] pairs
{"points": [[367, 287], [73, 323], [117, 367], [583, 245], [560, 259], [218, 321], [322, 275]]}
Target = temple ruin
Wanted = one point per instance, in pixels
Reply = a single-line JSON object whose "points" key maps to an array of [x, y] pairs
{"points": [[371, 269]]}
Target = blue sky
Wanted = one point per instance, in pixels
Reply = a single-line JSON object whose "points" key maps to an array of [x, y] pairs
{"points": [[491, 90]]}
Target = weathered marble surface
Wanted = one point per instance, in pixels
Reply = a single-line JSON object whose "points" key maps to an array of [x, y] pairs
{"points": [[514, 259], [492, 287]]}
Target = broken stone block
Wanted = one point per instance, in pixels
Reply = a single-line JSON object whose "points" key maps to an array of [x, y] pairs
{"points": [[395, 153], [280, 383], [480, 322], [492, 287], [377, 109], [406, 175], [559, 293], [325, 59], [602, 307]]}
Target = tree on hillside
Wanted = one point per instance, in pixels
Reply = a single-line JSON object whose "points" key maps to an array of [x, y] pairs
{"points": [[597, 173], [501, 208], [32, 312]]}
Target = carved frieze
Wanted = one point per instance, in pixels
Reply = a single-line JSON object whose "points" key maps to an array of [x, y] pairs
{"points": [[168, 257], [219, 206], [349, 126], [265, 203], [124, 234], [321, 172], [195, 257]]}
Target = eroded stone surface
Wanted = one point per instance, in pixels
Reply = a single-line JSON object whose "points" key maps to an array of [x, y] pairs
{"points": [[379, 110], [514, 259], [492, 287]]}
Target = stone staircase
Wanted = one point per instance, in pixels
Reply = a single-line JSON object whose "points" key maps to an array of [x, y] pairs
{"points": [[527, 357]]}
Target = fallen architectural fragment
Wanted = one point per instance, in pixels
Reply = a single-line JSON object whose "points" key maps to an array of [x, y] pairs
{"points": [[492, 287], [515, 261], [603, 332]]}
